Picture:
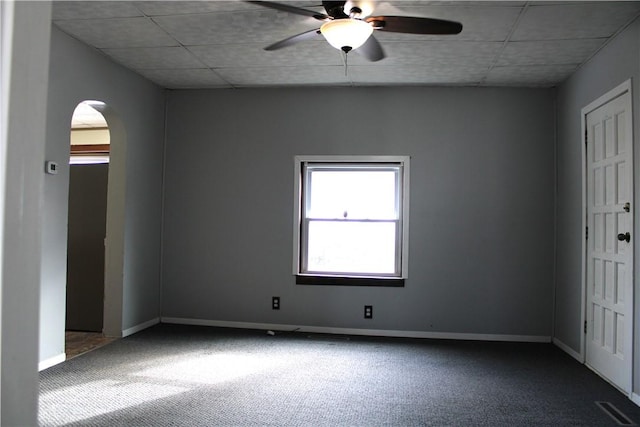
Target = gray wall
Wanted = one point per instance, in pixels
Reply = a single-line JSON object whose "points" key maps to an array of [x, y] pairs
{"points": [[481, 215], [617, 62], [79, 73], [24, 56]]}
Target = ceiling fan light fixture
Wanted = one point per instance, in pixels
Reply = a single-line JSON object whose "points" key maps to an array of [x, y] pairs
{"points": [[347, 33]]}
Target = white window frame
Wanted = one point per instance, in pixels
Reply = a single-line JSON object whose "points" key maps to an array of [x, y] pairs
{"points": [[299, 199]]}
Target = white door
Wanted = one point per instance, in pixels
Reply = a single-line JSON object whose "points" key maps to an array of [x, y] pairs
{"points": [[609, 310]]}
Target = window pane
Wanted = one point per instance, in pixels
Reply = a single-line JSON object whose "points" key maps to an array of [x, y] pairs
{"points": [[352, 247], [353, 194]]}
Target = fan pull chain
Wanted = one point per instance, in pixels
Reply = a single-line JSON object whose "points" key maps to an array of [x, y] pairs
{"points": [[346, 64]]}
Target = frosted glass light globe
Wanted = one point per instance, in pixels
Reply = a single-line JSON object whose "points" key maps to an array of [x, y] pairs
{"points": [[346, 34]]}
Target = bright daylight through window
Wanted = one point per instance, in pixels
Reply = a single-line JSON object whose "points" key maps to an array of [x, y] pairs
{"points": [[352, 218]]}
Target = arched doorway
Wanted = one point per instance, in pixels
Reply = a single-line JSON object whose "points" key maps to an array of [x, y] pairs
{"points": [[97, 188], [87, 222]]}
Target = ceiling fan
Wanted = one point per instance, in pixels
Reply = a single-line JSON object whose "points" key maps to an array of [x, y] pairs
{"points": [[348, 26]]}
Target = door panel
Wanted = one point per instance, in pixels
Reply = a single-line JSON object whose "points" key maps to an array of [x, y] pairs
{"points": [[609, 259], [85, 247]]}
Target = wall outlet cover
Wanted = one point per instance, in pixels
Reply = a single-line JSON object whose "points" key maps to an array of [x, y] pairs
{"points": [[368, 312]]}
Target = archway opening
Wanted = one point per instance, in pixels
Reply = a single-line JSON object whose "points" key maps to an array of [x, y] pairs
{"points": [[89, 164]]}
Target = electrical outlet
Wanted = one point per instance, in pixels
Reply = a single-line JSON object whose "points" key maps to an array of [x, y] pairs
{"points": [[368, 312], [275, 303]]}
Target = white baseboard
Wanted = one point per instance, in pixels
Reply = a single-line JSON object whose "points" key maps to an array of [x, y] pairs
{"points": [[571, 352], [635, 398], [52, 361], [134, 329], [354, 331]]}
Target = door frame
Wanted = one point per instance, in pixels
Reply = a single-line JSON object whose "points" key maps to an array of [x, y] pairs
{"points": [[616, 92], [114, 257]]}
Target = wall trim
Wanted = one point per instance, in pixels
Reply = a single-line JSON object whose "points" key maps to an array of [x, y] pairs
{"points": [[635, 398], [356, 331], [135, 329], [52, 361], [571, 352]]}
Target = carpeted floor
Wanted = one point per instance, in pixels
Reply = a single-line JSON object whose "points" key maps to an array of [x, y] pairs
{"points": [[172, 375]]}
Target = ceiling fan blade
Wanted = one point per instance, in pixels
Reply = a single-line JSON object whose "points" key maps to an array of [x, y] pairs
{"points": [[307, 35], [414, 25], [371, 50], [291, 9]]}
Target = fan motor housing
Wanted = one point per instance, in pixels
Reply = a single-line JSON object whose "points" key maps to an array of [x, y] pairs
{"points": [[335, 9]]}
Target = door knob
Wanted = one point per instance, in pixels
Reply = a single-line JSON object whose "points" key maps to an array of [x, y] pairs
{"points": [[626, 236]]}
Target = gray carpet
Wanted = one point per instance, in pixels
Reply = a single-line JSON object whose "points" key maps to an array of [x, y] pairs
{"points": [[172, 375]]}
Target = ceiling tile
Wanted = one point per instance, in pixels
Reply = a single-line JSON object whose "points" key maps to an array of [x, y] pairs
{"points": [[478, 22], [570, 21], [253, 55], [182, 79], [98, 9], [119, 32], [458, 3], [285, 76], [160, 8], [254, 26], [435, 53], [414, 74], [164, 7], [154, 57], [549, 52], [530, 75]]}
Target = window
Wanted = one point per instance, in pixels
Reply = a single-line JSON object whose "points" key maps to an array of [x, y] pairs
{"points": [[352, 220]]}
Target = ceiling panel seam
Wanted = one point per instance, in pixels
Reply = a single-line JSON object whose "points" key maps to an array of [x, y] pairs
{"points": [[498, 54]]}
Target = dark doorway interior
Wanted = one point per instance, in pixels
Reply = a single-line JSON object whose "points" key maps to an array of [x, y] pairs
{"points": [[85, 256]]}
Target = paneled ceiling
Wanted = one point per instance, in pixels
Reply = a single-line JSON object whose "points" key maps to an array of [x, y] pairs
{"points": [[219, 44]]}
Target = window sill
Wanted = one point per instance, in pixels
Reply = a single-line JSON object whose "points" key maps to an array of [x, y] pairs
{"points": [[393, 282]]}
